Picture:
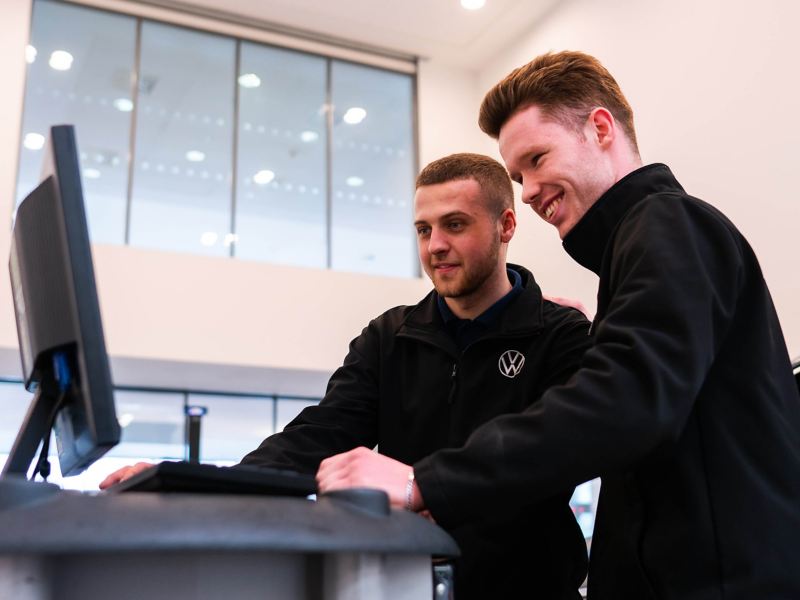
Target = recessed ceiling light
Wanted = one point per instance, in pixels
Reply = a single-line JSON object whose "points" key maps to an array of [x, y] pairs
{"points": [[209, 238], [231, 238], [263, 177], [354, 181], [125, 419], [354, 115], [195, 156], [473, 4], [91, 173], [30, 54], [309, 136], [249, 80], [123, 104], [61, 60], [33, 141]]}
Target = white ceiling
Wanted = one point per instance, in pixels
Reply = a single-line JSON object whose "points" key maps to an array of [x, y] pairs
{"points": [[435, 29]]}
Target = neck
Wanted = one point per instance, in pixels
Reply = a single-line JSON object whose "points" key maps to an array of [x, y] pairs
{"points": [[472, 305], [626, 161]]}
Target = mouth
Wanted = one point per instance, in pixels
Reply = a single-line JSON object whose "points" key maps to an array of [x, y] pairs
{"points": [[548, 209], [444, 267]]}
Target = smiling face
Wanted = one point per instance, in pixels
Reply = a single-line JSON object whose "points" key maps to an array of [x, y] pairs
{"points": [[562, 172], [461, 244]]}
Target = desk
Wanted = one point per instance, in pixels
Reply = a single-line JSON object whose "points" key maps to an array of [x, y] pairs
{"points": [[59, 545]]}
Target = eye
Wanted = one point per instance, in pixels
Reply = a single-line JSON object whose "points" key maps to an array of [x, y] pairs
{"points": [[423, 230], [536, 158], [455, 225]]}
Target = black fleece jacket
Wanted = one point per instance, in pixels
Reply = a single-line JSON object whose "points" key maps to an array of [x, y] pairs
{"points": [[407, 388]]}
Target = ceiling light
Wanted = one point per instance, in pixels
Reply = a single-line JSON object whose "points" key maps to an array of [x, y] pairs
{"points": [[33, 141], [123, 105], [90, 173], [354, 115], [61, 60], [473, 4], [231, 238], [354, 181], [195, 156], [30, 54], [125, 419], [249, 80], [209, 238], [309, 136], [263, 177]]}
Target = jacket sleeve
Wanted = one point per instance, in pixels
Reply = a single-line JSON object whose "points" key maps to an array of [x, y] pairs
{"points": [[671, 291], [345, 418], [568, 341]]}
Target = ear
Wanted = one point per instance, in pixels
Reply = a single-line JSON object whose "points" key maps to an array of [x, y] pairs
{"points": [[508, 225], [601, 127]]}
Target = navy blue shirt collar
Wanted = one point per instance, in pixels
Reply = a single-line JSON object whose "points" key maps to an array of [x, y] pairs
{"points": [[466, 331]]}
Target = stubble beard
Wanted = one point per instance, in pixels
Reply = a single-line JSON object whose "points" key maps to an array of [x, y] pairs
{"points": [[471, 279]]}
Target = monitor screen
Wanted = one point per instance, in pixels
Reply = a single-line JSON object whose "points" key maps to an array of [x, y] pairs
{"points": [[60, 334]]}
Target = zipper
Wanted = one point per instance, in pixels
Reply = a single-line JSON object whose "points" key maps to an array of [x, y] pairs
{"points": [[453, 384]]}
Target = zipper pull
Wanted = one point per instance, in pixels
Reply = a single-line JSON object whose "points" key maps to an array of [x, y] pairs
{"points": [[452, 394]]}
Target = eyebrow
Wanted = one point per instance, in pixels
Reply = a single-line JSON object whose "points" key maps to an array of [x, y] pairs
{"points": [[444, 217]]}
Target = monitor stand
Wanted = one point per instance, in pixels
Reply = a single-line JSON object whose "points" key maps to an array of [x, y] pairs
{"points": [[35, 427]]}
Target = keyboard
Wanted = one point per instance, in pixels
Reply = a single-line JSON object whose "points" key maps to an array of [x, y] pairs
{"points": [[198, 478]]}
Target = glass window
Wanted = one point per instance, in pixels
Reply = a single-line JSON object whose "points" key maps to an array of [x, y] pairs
{"points": [[373, 171], [233, 426], [322, 150], [281, 194], [288, 409], [79, 72], [153, 425], [584, 505], [182, 172]]}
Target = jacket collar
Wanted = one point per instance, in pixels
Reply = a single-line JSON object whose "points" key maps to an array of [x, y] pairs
{"points": [[523, 315], [587, 241]]}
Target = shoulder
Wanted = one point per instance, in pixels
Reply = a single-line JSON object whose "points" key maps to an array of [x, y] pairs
{"points": [[390, 321], [673, 222], [678, 210], [556, 315]]}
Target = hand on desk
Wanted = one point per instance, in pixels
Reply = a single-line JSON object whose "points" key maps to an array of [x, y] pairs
{"points": [[124, 473], [362, 467]]}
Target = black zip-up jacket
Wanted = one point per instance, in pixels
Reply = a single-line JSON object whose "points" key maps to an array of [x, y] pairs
{"points": [[405, 387], [685, 405]]}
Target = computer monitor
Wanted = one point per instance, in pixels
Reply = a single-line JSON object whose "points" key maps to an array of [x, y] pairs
{"points": [[60, 333]]}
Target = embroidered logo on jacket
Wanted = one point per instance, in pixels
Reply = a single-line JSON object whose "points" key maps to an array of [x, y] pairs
{"points": [[510, 363]]}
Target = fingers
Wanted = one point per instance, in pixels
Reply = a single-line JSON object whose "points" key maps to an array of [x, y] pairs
{"points": [[123, 474], [340, 471]]}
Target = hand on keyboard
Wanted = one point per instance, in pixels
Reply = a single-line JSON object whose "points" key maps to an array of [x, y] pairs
{"points": [[124, 473]]}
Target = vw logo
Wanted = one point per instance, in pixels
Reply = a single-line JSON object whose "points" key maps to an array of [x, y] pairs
{"points": [[510, 363]]}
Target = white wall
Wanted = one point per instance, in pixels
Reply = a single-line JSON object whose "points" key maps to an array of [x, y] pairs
{"points": [[220, 324], [714, 88]]}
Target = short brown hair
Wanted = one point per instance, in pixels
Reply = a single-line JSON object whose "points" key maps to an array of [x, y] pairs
{"points": [[490, 175], [566, 86]]}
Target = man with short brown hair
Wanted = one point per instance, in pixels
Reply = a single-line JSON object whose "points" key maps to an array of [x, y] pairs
{"points": [[421, 378]]}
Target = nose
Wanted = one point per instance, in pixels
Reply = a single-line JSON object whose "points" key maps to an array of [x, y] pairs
{"points": [[438, 242], [531, 188]]}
